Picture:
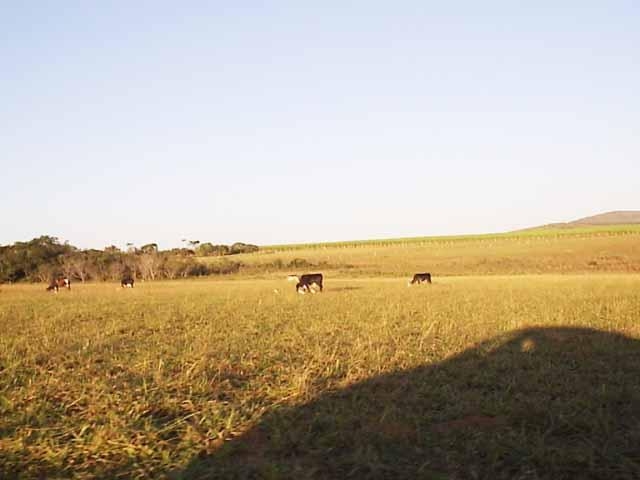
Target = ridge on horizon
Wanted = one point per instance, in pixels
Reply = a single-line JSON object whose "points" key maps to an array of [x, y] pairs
{"points": [[615, 217], [611, 218]]}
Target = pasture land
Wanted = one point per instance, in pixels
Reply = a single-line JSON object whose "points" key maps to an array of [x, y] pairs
{"points": [[550, 231], [529, 376], [576, 250]]}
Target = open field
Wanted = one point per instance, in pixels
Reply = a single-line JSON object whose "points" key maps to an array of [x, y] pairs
{"points": [[558, 230], [550, 231], [588, 250], [530, 376]]}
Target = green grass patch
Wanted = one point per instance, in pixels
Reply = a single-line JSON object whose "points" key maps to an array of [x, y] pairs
{"points": [[550, 231]]}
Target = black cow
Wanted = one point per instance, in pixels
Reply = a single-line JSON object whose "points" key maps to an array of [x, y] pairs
{"points": [[59, 282], [420, 278], [127, 282], [306, 282]]}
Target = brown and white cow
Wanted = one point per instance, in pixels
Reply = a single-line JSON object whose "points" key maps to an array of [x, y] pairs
{"points": [[59, 282]]}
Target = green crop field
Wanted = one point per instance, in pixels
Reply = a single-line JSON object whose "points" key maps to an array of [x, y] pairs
{"points": [[539, 232], [581, 250], [520, 361]]}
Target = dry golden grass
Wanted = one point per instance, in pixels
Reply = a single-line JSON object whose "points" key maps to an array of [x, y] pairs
{"points": [[600, 251], [487, 377]]}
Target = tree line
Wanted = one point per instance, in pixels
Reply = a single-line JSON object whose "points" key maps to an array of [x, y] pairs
{"points": [[41, 259]]}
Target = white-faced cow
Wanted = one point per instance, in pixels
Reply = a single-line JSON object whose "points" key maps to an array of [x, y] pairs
{"points": [[307, 282], [127, 281], [420, 278], [59, 282]]}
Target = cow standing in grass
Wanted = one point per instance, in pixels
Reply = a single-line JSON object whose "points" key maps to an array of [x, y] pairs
{"points": [[420, 278], [307, 282], [127, 282], [58, 283]]}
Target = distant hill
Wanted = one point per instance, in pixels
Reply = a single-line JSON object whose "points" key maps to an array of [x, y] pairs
{"points": [[616, 222], [618, 217], [622, 217]]}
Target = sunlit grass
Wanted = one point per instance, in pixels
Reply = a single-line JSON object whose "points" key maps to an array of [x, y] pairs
{"points": [[591, 253], [103, 381], [532, 233]]}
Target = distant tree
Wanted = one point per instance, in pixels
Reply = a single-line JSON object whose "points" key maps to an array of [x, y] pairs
{"points": [[109, 263], [175, 266], [43, 257], [240, 247], [45, 272], [207, 250], [220, 250], [192, 243], [149, 248], [77, 265], [124, 270], [204, 249], [23, 260], [148, 264]]}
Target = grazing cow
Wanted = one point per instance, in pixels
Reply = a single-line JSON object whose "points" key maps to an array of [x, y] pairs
{"points": [[127, 282], [420, 278], [59, 282], [307, 282]]}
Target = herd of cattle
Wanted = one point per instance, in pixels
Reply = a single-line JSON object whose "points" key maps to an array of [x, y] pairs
{"points": [[64, 282], [312, 282], [306, 283]]}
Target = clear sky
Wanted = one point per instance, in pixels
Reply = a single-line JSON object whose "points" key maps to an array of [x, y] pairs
{"points": [[275, 122]]}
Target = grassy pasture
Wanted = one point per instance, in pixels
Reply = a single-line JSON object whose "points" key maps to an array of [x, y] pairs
{"points": [[551, 231], [585, 250], [530, 376]]}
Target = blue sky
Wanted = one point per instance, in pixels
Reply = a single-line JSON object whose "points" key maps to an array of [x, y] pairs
{"points": [[275, 122]]}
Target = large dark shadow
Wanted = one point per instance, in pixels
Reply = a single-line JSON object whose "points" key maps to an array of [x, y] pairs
{"points": [[553, 403]]}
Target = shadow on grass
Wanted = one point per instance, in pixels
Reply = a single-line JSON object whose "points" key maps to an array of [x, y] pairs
{"points": [[553, 403]]}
